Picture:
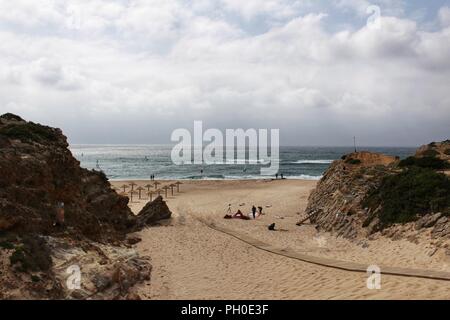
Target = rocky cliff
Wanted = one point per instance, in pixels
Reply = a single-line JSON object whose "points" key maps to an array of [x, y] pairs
{"points": [[38, 173], [367, 192], [439, 150], [336, 203]]}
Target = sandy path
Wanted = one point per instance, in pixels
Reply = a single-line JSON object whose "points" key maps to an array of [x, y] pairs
{"points": [[191, 261]]}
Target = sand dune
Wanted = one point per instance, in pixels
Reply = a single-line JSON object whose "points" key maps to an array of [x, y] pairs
{"points": [[192, 261]]}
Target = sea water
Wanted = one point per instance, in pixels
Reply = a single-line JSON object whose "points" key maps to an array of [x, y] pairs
{"points": [[122, 162]]}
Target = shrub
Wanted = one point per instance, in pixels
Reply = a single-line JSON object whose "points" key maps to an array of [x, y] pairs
{"points": [[6, 245], [352, 161], [10, 116], [33, 255], [408, 195], [430, 153], [425, 162], [28, 132]]}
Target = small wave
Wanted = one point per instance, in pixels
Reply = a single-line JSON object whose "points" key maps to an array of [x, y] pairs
{"points": [[305, 177], [204, 177], [243, 161], [312, 162]]}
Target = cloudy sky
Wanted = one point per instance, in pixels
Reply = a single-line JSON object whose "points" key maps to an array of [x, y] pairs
{"points": [[320, 71]]}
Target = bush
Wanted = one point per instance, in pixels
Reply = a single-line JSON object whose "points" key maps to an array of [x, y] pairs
{"points": [[407, 196], [6, 245], [425, 162], [33, 255], [28, 132], [10, 116], [352, 161], [430, 153]]}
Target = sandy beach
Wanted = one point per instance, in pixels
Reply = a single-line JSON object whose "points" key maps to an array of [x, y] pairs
{"points": [[192, 261]]}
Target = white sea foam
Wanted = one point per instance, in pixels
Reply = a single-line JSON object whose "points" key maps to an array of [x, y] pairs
{"points": [[312, 162]]}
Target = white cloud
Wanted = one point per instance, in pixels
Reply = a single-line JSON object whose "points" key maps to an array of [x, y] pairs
{"points": [[444, 16], [162, 64]]}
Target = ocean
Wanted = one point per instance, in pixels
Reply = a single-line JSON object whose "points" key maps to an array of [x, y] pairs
{"points": [[126, 162]]}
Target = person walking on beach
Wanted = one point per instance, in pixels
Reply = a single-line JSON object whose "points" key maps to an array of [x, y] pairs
{"points": [[254, 212], [276, 176]]}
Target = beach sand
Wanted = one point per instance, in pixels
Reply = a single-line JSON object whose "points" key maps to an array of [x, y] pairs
{"points": [[192, 261]]}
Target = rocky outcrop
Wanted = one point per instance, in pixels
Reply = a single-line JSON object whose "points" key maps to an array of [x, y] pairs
{"points": [[336, 203], [38, 173], [106, 272], [368, 192], [439, 150], [153, 212]]}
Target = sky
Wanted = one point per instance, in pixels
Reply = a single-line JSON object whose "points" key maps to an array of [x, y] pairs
{"points": [[132, 71]]}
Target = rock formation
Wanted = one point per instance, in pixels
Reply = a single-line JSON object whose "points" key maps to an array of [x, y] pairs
{"points": [[153, 212], [439, 150], [38, 172], [367, 192], [336, 203]]}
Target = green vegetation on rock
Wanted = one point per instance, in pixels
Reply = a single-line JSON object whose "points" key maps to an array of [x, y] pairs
{"points": [[425, 162], [28, 132], [430, 153], [352, 161], [406, 196], [33, 255]]}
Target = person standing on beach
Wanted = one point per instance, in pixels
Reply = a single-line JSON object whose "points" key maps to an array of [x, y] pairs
{"points": [[260, 209], [60, 215], [254, 212]]}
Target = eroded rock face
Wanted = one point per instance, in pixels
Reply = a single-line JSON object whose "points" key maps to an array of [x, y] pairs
{"points": [[439, 150], [37, 170], [106, 272], [336, 202]]}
